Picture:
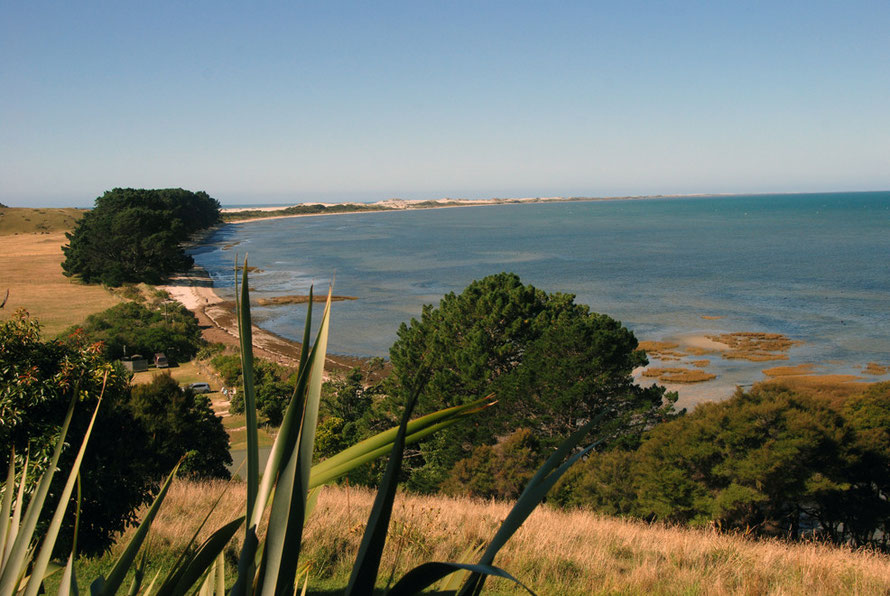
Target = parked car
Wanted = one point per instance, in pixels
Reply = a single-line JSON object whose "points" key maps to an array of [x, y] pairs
{"points": [[161, 360], [200, 387]]}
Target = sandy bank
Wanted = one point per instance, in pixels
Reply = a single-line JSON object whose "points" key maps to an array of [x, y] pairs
{"points": [[194, 290]]}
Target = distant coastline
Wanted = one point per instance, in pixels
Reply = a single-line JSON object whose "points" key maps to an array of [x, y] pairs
{"points": [[244, 214]]}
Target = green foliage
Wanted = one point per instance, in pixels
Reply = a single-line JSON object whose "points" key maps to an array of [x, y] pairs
{"points": [[551, 363], [171, 329], [37, 380], [181, 423], [136, 235], [273, 383], [497, 471], [346, 401], [770, 461], [287, 496]]}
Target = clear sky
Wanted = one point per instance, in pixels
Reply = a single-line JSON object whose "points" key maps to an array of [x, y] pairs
{"points": [[332, 101]]}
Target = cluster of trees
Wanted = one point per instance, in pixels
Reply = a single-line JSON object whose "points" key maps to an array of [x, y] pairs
{"points": [[132, 328], [552, 365], [135, 235], [274, 385], [161, 424], [770, 461]]}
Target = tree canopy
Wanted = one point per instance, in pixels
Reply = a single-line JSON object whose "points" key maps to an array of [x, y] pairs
{"points": [[551, 363], [37, 380], [131, 328], [137, 438], [135, 235], [179, 422], [770, 461]]}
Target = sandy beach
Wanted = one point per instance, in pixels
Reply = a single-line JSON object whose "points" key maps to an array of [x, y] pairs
{"points": [[194, 290]]}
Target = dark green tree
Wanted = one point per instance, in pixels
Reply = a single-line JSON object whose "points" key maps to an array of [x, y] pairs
{"points": [[130, 326], [37, 381], [180, 423], [551, 363], [762, 461], [136, 235]]}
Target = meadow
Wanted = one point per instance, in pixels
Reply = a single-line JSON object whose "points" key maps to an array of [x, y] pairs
{"points": [[555, 552], [31, 243]]}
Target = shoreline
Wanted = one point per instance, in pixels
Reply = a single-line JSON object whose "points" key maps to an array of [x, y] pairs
{"points": [[399, 205], [194, 290]]}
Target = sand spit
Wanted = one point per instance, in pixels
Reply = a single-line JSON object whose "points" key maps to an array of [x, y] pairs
{"points": [[300, 299]]}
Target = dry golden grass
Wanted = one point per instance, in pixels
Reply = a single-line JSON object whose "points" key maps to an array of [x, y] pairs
{"points": [[755, 346], [712, 317], [25, 220], [700, 363], [663, 350], [698, 351], [873, 368], [30, 267], [679, 375], [834, 388], [555, 552], [784, 371]]}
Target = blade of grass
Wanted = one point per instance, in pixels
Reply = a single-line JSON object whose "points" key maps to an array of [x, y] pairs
{"points": [[49, 539], [367, 563], [424, 576], [245, 334], [13, 570], [207, 553], [6, 506], [381, 443], [286, 440], [68, 584], [289, 508], [178, 567], [123, 564]]}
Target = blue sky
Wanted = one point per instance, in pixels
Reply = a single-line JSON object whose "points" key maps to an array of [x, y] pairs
{"points": [[284, 102]]}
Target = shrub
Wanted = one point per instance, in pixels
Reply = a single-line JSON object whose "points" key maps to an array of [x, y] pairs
{"points": [[181, 423], [135, 329], [37, 380]]}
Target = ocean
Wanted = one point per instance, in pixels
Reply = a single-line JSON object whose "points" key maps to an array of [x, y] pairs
{"points": [[813, 267]]}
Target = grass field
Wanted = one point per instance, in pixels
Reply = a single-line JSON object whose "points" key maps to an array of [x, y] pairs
{"points": [[30, 268], [555, 552], [24, 220]]}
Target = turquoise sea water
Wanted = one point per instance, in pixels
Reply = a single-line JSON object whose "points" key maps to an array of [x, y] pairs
{"points": [[815, 267]]}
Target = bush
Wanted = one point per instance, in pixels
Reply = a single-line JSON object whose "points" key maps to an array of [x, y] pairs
{"points": [[770, 461], [497, 471], [135, 329], [274, 385], [36, 383], [181, 423], [551, 363]]}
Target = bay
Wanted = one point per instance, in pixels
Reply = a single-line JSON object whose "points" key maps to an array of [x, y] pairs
{"points": [[813, 267]]}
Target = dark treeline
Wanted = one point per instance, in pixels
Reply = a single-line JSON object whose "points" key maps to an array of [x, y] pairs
{"points": [[135, 235]]}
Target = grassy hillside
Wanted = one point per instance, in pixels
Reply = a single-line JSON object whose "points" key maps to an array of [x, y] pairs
{"points": [[30, 268], [24, 220], [555, 552]]}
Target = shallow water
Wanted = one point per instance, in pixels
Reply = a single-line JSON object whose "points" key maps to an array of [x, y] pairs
{"points": [[813, 267]]}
